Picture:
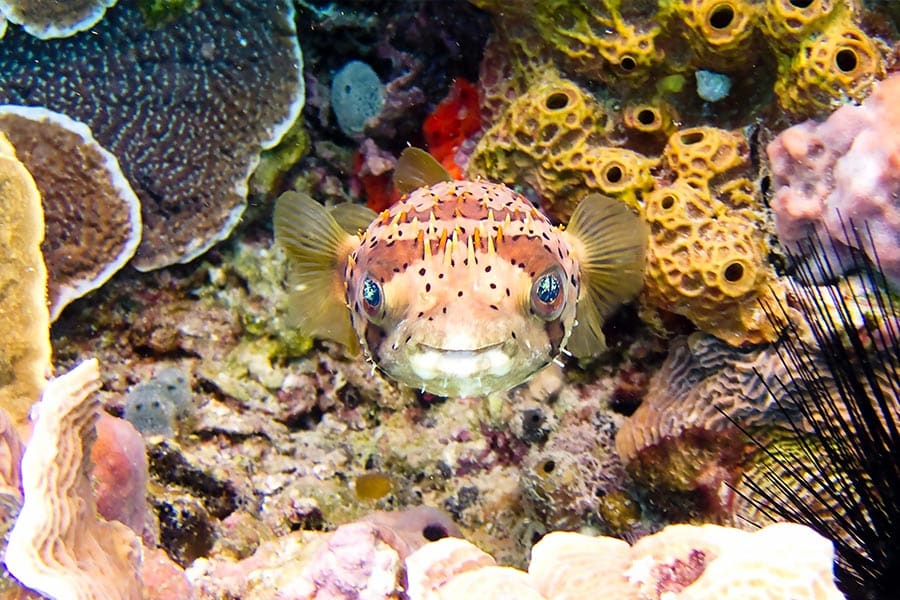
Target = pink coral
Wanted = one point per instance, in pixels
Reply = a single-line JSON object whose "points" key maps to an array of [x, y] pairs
{"points": [[847, 168], [119, 475]]}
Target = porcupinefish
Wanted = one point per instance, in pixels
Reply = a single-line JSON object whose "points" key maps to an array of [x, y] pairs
{"points": [[462, 288]]}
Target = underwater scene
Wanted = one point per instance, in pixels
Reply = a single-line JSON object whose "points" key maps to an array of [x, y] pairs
{"points": [[449, 299]]}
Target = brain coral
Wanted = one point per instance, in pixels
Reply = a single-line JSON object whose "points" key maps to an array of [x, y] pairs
{"points": [[682, 433], [92, 216], [707, 257], [555, 139], [204, 96]]}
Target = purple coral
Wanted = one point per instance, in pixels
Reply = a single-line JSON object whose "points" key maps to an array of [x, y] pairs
{"points": [[844, 170]]}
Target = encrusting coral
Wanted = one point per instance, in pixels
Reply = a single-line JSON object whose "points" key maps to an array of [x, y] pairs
{"points": [[203, 87], [92, 216], [58, 545], [25, 343], [47, 20], [843, 173], [681, 562]]}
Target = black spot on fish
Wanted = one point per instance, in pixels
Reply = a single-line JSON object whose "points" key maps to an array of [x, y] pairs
{"points": [[487, 269], [427, 287], [493, 286], [422, 271], [459, 294]]}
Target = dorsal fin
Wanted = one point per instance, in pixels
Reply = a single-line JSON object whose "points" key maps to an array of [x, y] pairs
{"points": [[352, 218], [318, 249], [609, 242], [416, 168]]}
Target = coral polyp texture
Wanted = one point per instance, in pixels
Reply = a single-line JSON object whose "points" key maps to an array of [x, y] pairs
{"points": [[680, 562], [708, 256], [215, 88], [25, 343], [843, 173], [92, 216], [46, 20]]}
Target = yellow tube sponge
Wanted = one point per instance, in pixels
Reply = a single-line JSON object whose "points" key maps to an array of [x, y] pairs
{"points": [[787, 22], [24, 318], [596, 40], [839, 65], [698, 154], [707, 261], [717, 30]]}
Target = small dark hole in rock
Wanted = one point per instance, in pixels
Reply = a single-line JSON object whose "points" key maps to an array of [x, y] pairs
{"points": [[434, 532]]}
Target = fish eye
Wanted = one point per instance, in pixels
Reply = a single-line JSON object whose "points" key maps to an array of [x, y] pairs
{"points": [[547, 294], [371, 297]]}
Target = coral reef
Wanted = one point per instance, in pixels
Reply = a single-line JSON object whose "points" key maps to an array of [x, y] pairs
{"points": [[58, 545], [679, 562], [832, 177], [202, 87], [46, 20], [91, 214], [821, 55], [25, 345]]}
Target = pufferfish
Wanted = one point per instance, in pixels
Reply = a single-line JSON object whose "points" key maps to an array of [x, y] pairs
{"points": [[462, 288]]}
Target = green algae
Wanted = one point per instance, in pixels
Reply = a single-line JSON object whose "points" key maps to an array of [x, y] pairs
{"points": [[161, 12]]}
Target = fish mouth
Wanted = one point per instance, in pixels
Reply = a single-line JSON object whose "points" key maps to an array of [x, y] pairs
{"points": [[433, 362], [452, 353]]}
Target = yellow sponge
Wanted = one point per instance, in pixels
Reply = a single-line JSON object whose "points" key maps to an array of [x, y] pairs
{"points": [[838, 65]]}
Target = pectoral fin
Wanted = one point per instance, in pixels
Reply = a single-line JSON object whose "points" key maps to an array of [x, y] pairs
{"points": [[610, 243], [318, 248]]}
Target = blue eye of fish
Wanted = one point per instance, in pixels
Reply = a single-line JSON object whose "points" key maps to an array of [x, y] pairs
{"points": [[547, 294], [371, 295], [548, 288]]}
